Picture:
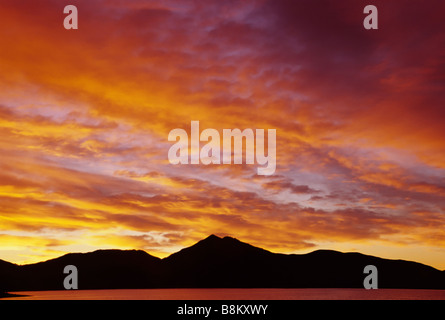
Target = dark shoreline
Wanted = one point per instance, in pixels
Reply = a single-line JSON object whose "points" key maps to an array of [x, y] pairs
{"points": [[11, 295]]}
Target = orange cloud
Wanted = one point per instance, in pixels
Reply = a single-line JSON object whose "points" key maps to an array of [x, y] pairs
{"points": [[84, 119]]}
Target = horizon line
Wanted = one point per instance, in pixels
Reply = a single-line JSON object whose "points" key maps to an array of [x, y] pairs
{"points": [[221, 238]]}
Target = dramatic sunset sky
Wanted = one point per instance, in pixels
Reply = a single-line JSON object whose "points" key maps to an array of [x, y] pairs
{"points": [[85, 115]]}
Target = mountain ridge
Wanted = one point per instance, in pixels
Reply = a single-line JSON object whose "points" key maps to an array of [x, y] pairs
{"points": [[221, 238], [216, 262]]}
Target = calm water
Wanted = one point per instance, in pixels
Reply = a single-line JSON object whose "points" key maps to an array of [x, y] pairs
{"points": [[234, 294]]}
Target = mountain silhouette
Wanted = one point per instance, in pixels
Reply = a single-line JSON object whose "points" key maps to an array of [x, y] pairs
{"points": [[101, 269], [8, 272], [218, 263], [215, 262]]}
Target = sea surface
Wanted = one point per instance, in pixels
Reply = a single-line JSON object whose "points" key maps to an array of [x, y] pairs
{"points": [[233, 294]]}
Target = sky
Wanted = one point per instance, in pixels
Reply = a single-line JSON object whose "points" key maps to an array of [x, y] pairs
{"points": [[359, 116]]}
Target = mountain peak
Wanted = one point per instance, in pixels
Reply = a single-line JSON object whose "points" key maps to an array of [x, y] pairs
{"points": [[217, 248], [215, 240], [212, 237]]}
